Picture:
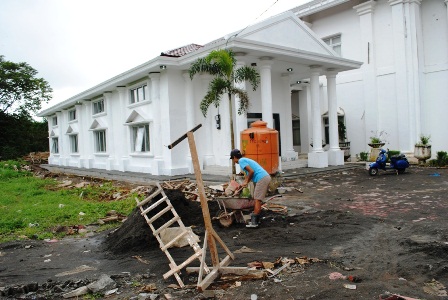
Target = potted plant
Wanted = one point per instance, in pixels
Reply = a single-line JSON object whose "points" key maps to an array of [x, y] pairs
{"points": [[377, 140], [343, 143], [422, 149]]}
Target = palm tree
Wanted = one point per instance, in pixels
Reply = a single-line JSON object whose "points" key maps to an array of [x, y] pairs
{"points": [[221, 64]]}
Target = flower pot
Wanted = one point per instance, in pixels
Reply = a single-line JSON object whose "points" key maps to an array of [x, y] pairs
{"points": [[375, 151], [345, 146], [422, 153]]}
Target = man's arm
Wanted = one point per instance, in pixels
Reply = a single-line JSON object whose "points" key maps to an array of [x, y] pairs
{"points": [[250, 174]]}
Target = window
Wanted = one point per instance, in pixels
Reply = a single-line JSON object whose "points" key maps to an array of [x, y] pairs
{"points": [[335, 43], [98, 106], [100, 140], [138, 94], [72, 115], [140, 138], [54, 121], [296, 132], [55, 145], [73, 143], [327, 128]]}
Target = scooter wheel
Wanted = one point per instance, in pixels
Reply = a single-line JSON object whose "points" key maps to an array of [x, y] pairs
{"points": [[373, 171]]}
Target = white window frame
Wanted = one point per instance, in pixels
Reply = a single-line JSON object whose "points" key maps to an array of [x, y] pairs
{"points": [[336, 46], [55, 145], [54, 121], [74, 147], [140, 138], [139, 93], [100, 143], [72, 115], [98, 107]]}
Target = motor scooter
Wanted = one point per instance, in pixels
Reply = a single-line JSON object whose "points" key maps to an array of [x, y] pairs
{"points": [[399, 163]]}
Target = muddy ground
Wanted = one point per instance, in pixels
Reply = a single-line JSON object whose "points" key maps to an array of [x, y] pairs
{"points": [[390, 232]]}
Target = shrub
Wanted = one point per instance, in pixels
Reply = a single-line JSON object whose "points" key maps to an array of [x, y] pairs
{"points": [[424, 140], [363, 156]]}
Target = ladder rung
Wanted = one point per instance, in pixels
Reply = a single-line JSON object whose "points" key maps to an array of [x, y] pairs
{"points": [[166, 225], [170, 243], [144, 212], [150, 197], [169, 207], [179, 267]]}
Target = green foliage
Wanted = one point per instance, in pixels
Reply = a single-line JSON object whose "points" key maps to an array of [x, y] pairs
{"points": [[378, 137], [222, 65], [21, 92], [391, 153], [342, 130], [32, 207], [424, 140], [363, 156], [20, 135], [441, 159]]}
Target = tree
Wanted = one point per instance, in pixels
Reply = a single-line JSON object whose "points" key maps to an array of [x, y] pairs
{"points": [[21, 92], [20, 135], [221, 64]]}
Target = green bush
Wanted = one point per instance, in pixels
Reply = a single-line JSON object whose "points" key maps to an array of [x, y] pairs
{"points": [[363, 156], [392, 153], [440, 161]]}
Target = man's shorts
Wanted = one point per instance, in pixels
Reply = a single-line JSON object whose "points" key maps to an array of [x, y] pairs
{"points": [[261, 188]]}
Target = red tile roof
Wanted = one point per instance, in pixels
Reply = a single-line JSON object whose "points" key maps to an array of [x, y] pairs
{"points": [[178, 52]]}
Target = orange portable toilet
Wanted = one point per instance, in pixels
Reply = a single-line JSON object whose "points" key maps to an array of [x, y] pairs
{"points": [[261, 144]]}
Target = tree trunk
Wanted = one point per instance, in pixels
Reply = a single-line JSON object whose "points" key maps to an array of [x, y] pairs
{"points": [[232, 138]]}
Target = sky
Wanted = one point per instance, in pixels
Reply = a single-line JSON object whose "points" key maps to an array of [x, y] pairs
{"points": [[77, 44]]}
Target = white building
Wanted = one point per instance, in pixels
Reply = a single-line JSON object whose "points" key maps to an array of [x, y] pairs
{"points": [[383, 67]]}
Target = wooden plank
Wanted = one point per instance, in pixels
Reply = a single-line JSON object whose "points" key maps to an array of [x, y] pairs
{"points": [[147, 210], [221, 242], [204, 253], [164, 248], [204, 205], [179, 267], [150, 197], [163, 211], [166, 225]]}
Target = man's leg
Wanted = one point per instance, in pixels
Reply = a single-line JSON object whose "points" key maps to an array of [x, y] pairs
{"points": [[260, 191]]}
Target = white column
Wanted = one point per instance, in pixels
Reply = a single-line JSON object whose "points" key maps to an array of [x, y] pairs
{"points": [[288, 152], [208, 123], [111, 134], [317, 158], [335, 154], [189, 101], [240, 120], [157, 130], [123, 147], [266, 90], [371, 118], [406, 71], [189, 111]]}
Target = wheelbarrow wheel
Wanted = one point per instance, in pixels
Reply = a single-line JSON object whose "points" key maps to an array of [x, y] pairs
{"points": [[225, 220]]}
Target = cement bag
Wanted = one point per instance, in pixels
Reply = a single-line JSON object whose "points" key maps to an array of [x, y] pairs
{"points": [[170, 233]]}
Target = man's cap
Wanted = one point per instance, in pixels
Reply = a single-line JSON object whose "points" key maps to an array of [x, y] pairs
{"points": [[235, 153]]}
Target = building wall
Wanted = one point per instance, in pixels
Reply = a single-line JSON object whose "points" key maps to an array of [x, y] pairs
{"points": [[409, 72]]}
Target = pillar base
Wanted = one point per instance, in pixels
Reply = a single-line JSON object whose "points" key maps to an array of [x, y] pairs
{"points": [[157, 167], [335, 157], [317, 159]]}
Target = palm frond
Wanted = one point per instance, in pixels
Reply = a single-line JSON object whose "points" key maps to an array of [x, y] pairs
{"points": [[225, 59], [243, 100], [203, 66], [247, 73], [217, 87]]}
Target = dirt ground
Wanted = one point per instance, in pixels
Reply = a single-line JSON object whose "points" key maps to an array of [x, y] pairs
{"points": [[389, 232]]}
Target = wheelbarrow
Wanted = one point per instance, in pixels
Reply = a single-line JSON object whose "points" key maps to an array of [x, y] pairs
{"points": [[232, 209]]}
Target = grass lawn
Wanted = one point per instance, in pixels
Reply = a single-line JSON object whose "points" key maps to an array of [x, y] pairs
{"points": [[32, 207]]}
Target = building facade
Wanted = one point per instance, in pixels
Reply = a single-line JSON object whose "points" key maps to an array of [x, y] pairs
{"points": [[371, 65]]}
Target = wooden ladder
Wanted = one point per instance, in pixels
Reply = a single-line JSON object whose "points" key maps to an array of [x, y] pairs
{"points": [[145, 209]]}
